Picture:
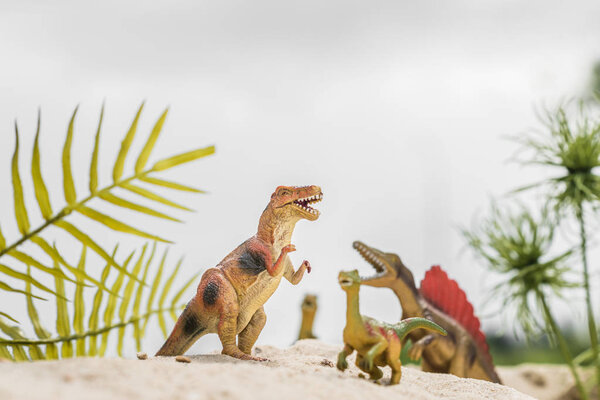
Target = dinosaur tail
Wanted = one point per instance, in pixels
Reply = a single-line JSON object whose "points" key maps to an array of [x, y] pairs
{"points": [[187, 330], [408, 325]]}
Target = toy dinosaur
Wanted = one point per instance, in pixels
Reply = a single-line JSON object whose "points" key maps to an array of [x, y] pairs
{"points": [[309, 309], [464, 352], [230, 297], [377, 343]]}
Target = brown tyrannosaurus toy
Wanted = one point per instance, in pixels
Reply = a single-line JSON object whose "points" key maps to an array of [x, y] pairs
{"points": [[230, 297], [464, 352]]}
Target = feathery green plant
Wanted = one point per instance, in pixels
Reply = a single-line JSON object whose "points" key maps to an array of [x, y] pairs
{"points": [[573, 148], [515, 244], [13, 260]]}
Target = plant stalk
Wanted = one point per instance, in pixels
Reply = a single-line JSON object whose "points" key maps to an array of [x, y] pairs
{"points": [[588, 296], [562, 344], [96, 332]]}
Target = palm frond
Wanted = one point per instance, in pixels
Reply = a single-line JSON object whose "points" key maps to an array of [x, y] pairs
{"points": [[117, 311], [68, 184], [20, 210], [125, 145], [74, 203], [41, 192], [115, 306], [95, 152]]}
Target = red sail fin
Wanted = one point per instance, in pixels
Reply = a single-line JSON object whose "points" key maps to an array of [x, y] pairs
{"points": [[444, 293]]}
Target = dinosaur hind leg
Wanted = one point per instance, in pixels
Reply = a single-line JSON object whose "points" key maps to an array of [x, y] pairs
{"points": [[375, 373], [396, 366], [458, 365], [393, 359], [249, 335]]}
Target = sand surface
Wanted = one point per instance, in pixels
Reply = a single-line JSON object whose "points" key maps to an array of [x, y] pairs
{"points": [[542, 381], [303, 371]]}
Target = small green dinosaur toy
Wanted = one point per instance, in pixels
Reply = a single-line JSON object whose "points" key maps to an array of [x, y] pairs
{"points": [[377, 343], [309, 310]]}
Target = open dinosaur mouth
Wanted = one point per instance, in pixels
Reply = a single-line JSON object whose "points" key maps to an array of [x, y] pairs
{"points": [[371, 258], [304, 203], [345, 282]]}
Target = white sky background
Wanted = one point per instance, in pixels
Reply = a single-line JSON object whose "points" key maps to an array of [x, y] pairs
{"points": [[396, 109]]}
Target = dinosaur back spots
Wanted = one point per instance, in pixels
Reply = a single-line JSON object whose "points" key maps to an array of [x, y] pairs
{"points": [[252, 262], [211, 293]]}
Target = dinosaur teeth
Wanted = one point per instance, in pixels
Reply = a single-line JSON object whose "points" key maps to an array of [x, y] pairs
{"points": [[369, 257], [303, 203]]}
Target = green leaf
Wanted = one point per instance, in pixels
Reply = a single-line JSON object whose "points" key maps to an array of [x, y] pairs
{"points": [[163, 297], [145, 153], [4, 353], [68, 184], [63, 327], [33, 314], [26, 278], [5, 315], [15, 333], [115, 224], [152, 196], [7, 288], [51, 350], [93, 322], [125, 145], [112, 304], [2, 241], [154, 288], [169, 184], [28, 260], [127, 293], [138, 299], [19, 201], [55, 255], [94, 163], [175, 301], [41, 192], [79, 305], [118, 201], [183, 158], [86, 240]]}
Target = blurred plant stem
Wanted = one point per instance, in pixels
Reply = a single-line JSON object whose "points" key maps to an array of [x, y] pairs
{"points": [[588, 296], [562, 344]]}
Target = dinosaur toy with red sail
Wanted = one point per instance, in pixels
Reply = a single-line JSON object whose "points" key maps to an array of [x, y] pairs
{"points": [[464, 351]]}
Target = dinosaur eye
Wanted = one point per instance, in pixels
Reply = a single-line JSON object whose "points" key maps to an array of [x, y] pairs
{"points": [[284, 192]]}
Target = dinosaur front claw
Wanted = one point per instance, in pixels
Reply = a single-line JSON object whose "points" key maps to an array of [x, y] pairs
{"points": [[416, 351], [307, 266], [288, 249]]}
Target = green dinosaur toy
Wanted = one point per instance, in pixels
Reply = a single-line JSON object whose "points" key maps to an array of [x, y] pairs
{"points": [[377, 343], [309, 310], [230, 297], [464, 352]]}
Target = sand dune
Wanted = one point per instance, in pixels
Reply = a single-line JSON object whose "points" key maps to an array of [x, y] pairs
{"points": [[303, 371]]}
